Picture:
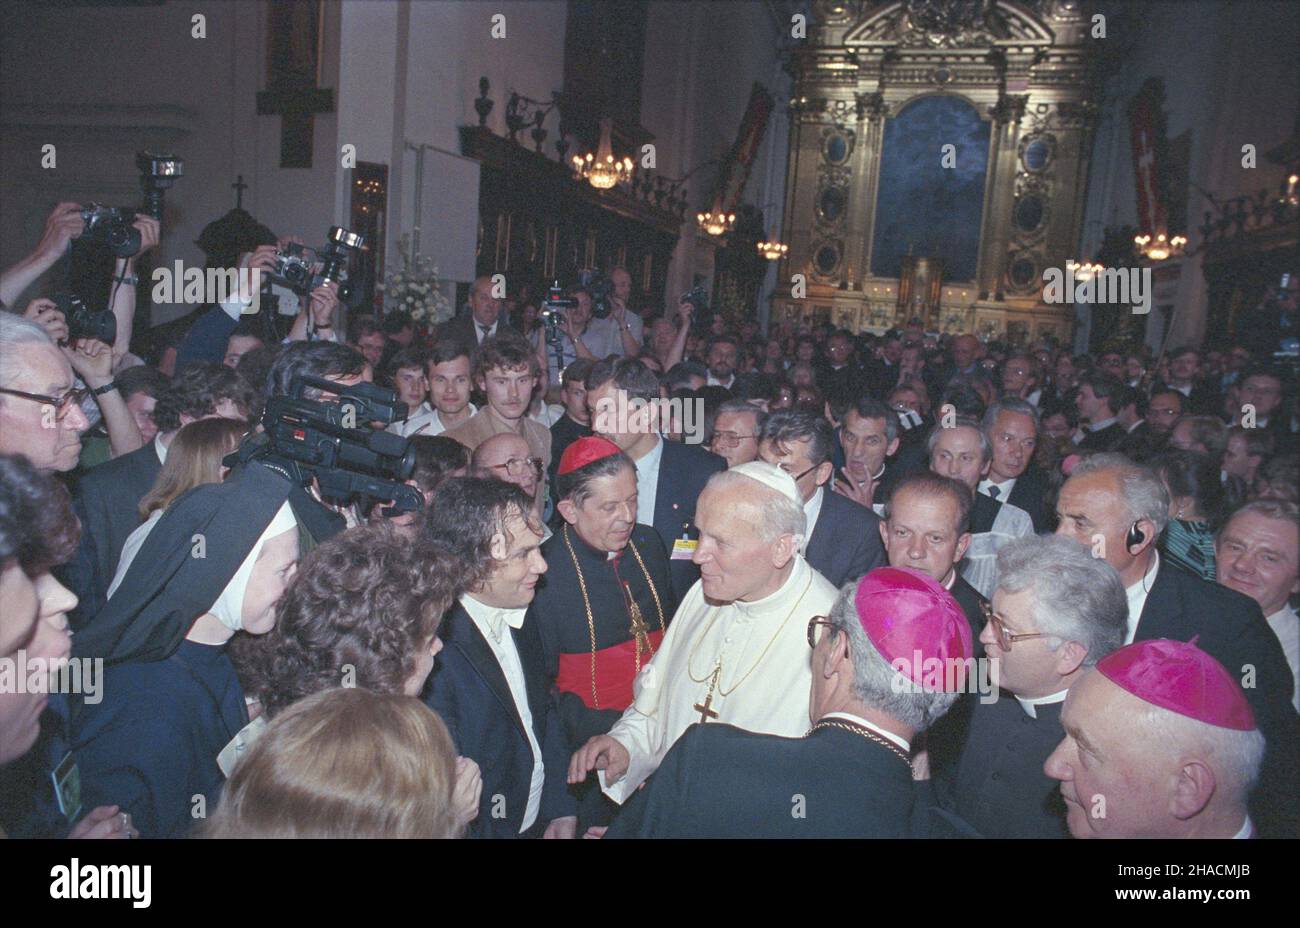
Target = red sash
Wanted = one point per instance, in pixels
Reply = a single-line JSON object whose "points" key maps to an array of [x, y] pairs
{"points": [[615, 670]]}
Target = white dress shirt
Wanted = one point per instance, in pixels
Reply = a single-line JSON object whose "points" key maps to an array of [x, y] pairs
{"points": [[159, 447], [647, 483], [1137, 597], [811, 510], [712, 381], [425, 421], [495, 624], [478, 329], [1004, 489], [1286, 626]]}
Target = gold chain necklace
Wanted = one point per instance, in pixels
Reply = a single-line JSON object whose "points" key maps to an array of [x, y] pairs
{"points": [[586, 605], [865, 733], [716, 670]]}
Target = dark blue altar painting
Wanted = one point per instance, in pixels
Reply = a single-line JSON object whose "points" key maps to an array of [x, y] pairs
{"points": [[934, 210]]}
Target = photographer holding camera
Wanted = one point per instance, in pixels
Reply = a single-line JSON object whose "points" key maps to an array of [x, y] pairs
{"points": [[580, 336]]}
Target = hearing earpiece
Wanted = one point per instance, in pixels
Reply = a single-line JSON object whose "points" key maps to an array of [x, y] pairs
{"points": [[1135, 537]]}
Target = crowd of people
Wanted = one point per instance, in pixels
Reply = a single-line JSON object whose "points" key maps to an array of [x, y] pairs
{"points": [[671, 577]]}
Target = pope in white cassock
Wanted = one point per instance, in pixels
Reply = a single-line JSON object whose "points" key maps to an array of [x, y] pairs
{"points": [[737, 648]]}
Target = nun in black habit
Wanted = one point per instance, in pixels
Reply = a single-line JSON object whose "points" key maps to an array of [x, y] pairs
{"points": [[171, 705]]}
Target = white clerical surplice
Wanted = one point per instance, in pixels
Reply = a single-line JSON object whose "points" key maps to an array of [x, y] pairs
{"points": [[744, 664]]}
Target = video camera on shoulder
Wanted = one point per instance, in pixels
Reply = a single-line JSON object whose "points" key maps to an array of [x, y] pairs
{"points": [[553, 309], [112, 225], [332, 442]]}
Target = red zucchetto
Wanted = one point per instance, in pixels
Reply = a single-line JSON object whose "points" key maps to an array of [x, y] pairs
{"points": [[585, 451], [1180, 677], [916, 626]]}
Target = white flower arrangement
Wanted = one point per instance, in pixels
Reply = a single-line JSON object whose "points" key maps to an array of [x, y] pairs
{"points": [[416, 288]]}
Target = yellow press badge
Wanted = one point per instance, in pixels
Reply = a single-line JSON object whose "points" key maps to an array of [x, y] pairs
{"points": [[683, 549]]}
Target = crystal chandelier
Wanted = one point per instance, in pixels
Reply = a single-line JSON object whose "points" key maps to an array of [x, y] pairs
{"points": [[601, 170], [773, 250], [715, 221], [1085, 271], [1160, 247]]}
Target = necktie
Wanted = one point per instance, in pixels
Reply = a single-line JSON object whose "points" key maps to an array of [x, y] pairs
{"points": [[995, 491], [485, 329]]}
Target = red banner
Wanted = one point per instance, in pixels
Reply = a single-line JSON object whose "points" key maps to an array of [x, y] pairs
{"points": [[740, 160], [1150, 162]]}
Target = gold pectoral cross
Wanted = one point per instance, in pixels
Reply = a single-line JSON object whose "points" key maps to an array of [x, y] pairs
{"points": [[704, 710], [639, 629]]}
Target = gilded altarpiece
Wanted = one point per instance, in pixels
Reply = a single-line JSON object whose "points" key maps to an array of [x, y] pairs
{"points": [[982, 105]]}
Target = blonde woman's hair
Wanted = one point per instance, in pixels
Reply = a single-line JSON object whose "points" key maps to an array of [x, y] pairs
{"points": [[344, 763], [193, 458]]}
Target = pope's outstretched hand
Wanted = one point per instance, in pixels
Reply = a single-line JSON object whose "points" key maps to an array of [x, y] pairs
{"points": [[599, 753]]}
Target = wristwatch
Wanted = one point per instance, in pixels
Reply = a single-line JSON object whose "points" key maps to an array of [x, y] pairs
{"points": [[100, 391]]}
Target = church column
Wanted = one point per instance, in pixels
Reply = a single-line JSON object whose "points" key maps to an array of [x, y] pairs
{"points": [[999, 198]]}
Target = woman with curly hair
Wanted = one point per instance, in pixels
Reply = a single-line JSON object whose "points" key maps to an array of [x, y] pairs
{"points": [[363, 611]]}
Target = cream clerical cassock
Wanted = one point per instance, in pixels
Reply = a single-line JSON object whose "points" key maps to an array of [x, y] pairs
{"points": [[737, 649]]}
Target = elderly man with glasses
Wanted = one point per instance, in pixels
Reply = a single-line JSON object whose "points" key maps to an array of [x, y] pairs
{"points": [[40, 403], [1056, 611], [506, 457], [736, 430]]}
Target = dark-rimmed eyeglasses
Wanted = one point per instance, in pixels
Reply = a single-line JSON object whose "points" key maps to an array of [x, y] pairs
{"points": [[812, 628], [62, 404], [730, 439], [518, 467], [1005, 638], [799, 476]]}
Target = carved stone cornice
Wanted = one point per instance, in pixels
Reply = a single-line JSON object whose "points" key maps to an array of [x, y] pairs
{"points": [[871, 105]]}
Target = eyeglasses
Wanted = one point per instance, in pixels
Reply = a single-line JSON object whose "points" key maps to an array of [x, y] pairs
{"points": [[812, 628], [799, 476], [62, 404], [517, 467], [730, 439], [1005, 638]]}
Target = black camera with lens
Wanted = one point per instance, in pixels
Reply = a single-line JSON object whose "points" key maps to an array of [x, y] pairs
{"points": [[111, 226], [698, 297], [601, 289], [293, 267], [552, 311], [333, 442], [84, 322]]}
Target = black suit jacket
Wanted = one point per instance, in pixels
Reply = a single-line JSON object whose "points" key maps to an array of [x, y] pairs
{"points": [[469, 691], [1231, 629], [105, 501], [1031, 494], [463, 330], [683, 472], [845, 542], [1107, 439], [998, 785], [719, 781], [983, 513], [945, 738]]}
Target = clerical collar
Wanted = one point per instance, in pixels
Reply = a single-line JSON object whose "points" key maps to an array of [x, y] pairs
{"points": [[1247, 830], [1029, 705], [880, 473], [491, 619], [950, 578], [859, 720]]}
